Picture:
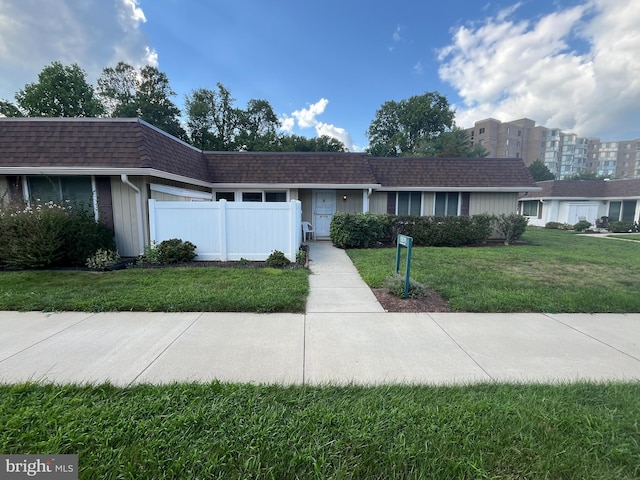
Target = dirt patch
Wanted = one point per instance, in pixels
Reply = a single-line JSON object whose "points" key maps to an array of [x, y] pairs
{"points": [[432, 302]]}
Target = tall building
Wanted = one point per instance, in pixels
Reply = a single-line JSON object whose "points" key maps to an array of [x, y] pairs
{"points": [[565, 154]]}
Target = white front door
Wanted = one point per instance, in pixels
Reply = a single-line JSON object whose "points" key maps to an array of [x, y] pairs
{"points": [[324, 206]]}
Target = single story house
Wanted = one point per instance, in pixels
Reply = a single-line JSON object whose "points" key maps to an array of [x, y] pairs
{"points": [[569, 201], [116, 165]]}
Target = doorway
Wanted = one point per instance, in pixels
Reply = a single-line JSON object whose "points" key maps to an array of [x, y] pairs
{"points": [[324, 206]]}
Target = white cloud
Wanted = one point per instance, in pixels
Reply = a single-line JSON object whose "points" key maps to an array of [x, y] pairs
{"points": [[307, 116], [337, 133], [418, 68], [92, 33], [510, 69]]}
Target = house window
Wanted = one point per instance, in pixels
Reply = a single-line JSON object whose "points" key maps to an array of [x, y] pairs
{"points": [[228, 196], [481, 131], [628, 210], [409, 203], [76, 189], [446, 204], [275, 196], [530, 208], [614, 211], [251, 196]]}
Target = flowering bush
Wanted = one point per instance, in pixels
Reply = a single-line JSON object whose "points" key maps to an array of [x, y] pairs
{"points": [[48, 234], [32, 237], [103, 259]]}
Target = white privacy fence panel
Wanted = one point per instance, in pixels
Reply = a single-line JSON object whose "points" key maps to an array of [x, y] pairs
{"points": [[229, 230]]}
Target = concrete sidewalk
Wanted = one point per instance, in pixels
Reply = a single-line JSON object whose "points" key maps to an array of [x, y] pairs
{"points": [[344, 337]]}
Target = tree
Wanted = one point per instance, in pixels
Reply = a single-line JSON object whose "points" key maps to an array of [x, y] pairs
{"points": [[258, 125], [540, 172], [212, 119], [8, 109], [145, 94], [586, 175], [399, 128], [454, 143], [298, 143], [61, 91]]}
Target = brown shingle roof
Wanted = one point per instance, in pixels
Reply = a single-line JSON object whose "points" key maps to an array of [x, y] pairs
{"points": [[290, 168], [587, 189], [95, 143], [452, 172]]}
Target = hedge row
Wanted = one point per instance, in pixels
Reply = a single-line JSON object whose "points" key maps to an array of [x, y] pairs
{"points": [[50, 235], [363, 230]]}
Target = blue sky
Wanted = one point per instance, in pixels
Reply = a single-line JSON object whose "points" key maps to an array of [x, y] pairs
{"points": [[326, 67]]}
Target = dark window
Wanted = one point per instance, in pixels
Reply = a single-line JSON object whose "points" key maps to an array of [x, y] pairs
{"points": [[275, 196], [75, 189], [628, 210], [251, 196], [228, 196], [409, 203], [530, 208], [446, 204], [614, 211]]}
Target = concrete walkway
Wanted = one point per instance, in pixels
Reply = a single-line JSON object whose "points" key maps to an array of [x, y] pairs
{"points": [[338, 340]]}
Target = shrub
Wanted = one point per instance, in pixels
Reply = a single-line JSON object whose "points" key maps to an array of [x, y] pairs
{"points": [[357, 230], [301, 256], [622, 227], [582, 226], [395, 284], [277, 260], [175, 250], [150, 254], [554, 225], [32, 237], [511, 226], [83, 237], [103, 259]]}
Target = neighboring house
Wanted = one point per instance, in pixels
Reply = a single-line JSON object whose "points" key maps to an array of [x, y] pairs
{"points": [[117, 165], [569, 201]]}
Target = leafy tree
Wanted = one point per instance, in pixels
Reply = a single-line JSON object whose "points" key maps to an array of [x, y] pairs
{"points": [[145, 94], [540, 172], [117, 88], [258, 125], [454, 143], [400, 128], [61, 91], [8, 109], [212, 119], [297, 143]]}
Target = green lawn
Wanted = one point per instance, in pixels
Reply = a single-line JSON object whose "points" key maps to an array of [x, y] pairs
{"points": [[229, 431], [160, 290], [557, 271]]}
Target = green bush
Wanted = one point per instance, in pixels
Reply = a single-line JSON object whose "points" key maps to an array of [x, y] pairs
{"points": [[395, 285], [362, 230], [277, 260], [582, 226], [32, 236], [357, 230], [175, 250], [622, 227], [83, 237], [511, 226], [103, 259], [554, 226]]}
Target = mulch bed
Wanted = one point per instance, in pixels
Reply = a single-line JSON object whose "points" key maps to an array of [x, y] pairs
{"points": [[432, 302]]}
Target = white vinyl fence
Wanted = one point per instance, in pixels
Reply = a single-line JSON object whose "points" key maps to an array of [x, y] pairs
{"points": [[229, 230]]}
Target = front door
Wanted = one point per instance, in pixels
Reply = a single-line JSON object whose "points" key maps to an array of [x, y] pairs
{"points": [[324, 206]]}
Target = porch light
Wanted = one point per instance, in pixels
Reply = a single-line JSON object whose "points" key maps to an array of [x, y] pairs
{"points": [[344, 198]]}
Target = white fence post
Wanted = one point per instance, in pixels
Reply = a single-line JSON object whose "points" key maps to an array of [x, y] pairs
{"points": [[222, 229]]}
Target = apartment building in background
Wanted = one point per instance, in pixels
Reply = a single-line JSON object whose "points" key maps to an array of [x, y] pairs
{"points": [[565, 154]]}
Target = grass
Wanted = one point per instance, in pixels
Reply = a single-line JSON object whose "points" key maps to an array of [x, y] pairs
{"points": [[166, 290], [393, 432], [557, 271], [627, 236]]}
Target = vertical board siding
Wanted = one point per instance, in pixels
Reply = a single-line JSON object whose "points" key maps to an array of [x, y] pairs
{"points": [[230, 230], [125, 218], [493, 203]]}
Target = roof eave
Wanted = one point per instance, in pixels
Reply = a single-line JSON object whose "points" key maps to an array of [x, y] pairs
{"points": [[102, 171], [454, 188], [325, 186]]}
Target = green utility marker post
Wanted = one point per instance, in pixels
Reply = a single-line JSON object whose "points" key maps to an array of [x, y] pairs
{"points": [[404, 241]]}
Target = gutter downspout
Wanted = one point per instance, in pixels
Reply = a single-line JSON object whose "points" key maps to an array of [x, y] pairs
{"points": [[126, 181]]}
